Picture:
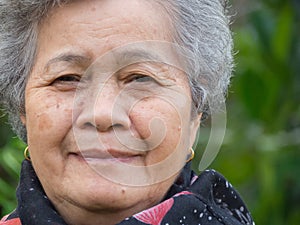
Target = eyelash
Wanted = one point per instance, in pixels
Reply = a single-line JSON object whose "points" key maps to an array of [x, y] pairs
{"points": [[140, 78], [67, 82], [68, 78], [73, 79]]}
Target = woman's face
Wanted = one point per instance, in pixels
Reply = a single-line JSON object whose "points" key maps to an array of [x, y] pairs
{"points": [[107, 108]]}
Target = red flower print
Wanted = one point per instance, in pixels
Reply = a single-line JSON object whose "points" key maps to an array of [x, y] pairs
{"points": [[183, 193], [194, 179], [155, 215]]}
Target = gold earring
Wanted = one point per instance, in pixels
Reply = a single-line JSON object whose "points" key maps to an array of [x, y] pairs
{"points": [[26, 154], [192, 155]]}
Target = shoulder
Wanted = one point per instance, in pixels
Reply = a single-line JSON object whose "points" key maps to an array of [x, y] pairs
{"points": [[217, 192], [7, 220]]}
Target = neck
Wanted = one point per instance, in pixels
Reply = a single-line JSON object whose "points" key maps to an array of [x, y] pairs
{"points": [[91, 218], [76, 215]]}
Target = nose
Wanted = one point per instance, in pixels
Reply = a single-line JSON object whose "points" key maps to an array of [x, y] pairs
{"points": [[103, 109]]}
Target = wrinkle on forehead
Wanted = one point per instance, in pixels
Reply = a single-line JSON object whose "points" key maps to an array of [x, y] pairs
{"points": [[104, 25], [100, 15]]}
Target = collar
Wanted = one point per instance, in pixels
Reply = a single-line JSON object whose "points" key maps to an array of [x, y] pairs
{"points": [[208, 200]]}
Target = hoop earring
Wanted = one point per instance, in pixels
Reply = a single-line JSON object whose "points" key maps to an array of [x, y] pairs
{"points": [[26, 154], [192, 155]]}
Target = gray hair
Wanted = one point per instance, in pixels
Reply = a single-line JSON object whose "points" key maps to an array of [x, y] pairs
{"points": [[201, 26]]}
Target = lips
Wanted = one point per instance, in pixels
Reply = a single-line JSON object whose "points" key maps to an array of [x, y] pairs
{"points": [[108, 155]]}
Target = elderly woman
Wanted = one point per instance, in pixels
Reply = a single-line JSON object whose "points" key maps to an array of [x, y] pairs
{"points": [[108, 95]]}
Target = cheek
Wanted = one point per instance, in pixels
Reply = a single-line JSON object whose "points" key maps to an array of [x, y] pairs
{"points": [[150, 118], [162, 126], [47, 121], [44, 122]]}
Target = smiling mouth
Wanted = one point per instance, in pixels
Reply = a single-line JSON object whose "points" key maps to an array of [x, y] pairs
{"points": [[98, 156]]}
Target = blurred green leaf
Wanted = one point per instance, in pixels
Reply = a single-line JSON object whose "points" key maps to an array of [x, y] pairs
{"points": [[282, 39]]}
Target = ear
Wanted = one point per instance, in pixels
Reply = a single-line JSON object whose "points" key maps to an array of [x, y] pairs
{"points": [[195, 123], [23, 119]]}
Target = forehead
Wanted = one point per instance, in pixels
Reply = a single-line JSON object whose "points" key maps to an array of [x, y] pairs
{"points": [[108, 23], [93, 28]]}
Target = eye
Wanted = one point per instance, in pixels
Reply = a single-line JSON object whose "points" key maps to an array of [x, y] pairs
{"points": [[66, 82], [141, 78], [68, 78]]}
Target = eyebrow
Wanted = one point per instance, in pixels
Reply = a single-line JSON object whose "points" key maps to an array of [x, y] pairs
{"points": [[125, 57], [139, 54], [68, 58]]}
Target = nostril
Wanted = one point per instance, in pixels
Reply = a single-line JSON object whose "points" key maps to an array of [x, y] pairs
{"points": [[87, 125], [103, 127], [118, 125]]}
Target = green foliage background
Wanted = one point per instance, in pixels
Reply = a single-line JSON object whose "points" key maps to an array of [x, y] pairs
{"points": [[261, 150]]}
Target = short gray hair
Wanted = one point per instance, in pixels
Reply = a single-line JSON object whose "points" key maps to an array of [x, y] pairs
{"points": [[201, 26]]}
